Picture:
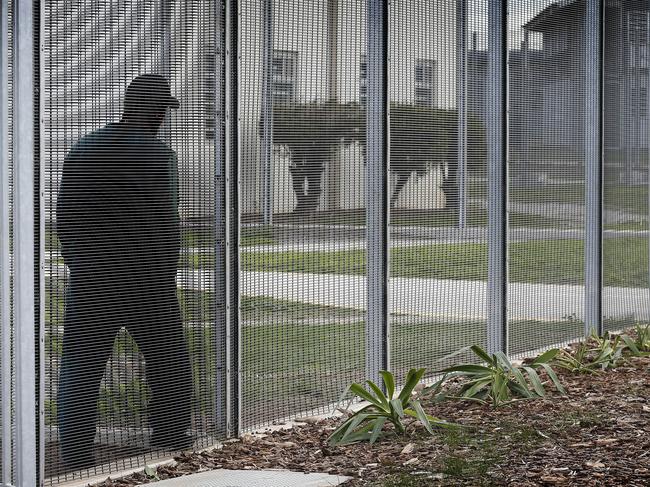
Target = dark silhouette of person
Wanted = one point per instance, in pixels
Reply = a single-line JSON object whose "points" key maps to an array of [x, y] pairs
{"points": [[306, 168], [118, 224], [450, 183]]}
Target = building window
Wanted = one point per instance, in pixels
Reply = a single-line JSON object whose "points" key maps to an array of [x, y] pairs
{"points": [[637, 39], [363, 79], [425, 82], [283, 76]]}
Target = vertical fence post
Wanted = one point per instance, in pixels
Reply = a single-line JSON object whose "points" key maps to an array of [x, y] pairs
{"points": [[461, 107], [593, 166], [40, 157], [232, 218], [5, 257], [221, 215], [267, 111], [497, 133], [24, 352], [377, 190]]}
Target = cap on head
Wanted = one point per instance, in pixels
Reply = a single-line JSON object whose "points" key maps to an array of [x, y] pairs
{"points": [[149, 91]]}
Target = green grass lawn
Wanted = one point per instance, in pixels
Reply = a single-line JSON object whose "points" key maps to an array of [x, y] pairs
{"points": [[287, 366], [625, 261]]}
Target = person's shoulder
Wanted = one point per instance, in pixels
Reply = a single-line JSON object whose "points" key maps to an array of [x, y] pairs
{"points": [[160, 146], [95, 139]]}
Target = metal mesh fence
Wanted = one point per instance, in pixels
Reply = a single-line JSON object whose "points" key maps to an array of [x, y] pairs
{"points": [[626, 149], [6, 260], [157, 334], [437, 201], [303, 205], [117, 200], [547, 213]]}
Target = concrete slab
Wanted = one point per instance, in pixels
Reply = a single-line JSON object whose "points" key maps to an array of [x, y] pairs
{"points": [[254, 478]]}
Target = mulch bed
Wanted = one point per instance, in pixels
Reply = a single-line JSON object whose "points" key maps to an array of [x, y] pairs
{"points": [[597, 435]]}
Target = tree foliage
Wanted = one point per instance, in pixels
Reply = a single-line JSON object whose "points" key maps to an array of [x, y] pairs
{"points": [[420, 137]]}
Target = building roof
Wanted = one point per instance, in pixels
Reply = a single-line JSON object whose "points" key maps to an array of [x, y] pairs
{"points": [[549, 16]]}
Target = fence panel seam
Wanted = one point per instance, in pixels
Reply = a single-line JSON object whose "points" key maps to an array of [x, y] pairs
{"points": [[378, 147], [498, 137]]}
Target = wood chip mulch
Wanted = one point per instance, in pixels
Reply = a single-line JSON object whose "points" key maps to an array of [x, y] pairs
{"points": [[597, 435]]}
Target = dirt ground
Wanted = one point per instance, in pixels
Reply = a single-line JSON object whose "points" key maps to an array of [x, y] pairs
{"points": [[596, 435]]}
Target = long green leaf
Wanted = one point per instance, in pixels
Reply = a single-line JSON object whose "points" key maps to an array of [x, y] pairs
{"points": [[546, 357], [439, 423], [379, 394], [389, 382], [535, 381], [519, 390], [519, 377], [412, 379], [482, 354], [338, 434], [630, 344], [396, 404], [476, 385], [362, 393], [435, 387], [361, 434], [355, 421], [503, 359], [422, 416], [499, 390], [468, 369], [376, 430], [556, 382]]}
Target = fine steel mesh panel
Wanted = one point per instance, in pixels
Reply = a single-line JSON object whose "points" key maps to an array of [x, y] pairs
{"points": [[437, 223], [130, 332], [303, 85], [546, 200], [6, 263], [626, 145]]}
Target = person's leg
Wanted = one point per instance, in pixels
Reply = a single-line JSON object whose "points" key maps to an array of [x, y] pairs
{"points": [[314, 179], [402, 179], [89, 331], [450, 188], [158, 331], [298, 181]]}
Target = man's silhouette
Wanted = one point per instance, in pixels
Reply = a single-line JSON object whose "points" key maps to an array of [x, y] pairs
{"points": [[307, 165], [117, 220]]}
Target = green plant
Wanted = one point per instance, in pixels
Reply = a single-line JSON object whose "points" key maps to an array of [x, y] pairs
{"points": [[499, 382], [640, 345], [367, 423], [597, 353], [575, 362]]}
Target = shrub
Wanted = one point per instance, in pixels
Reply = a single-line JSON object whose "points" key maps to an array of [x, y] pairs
{"points": [[499, 382], [640, 345], [597, 353], [367, 423]]}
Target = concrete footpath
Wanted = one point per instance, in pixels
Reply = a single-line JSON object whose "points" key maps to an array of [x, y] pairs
{"points": [[448, 299], [254, 478]]}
